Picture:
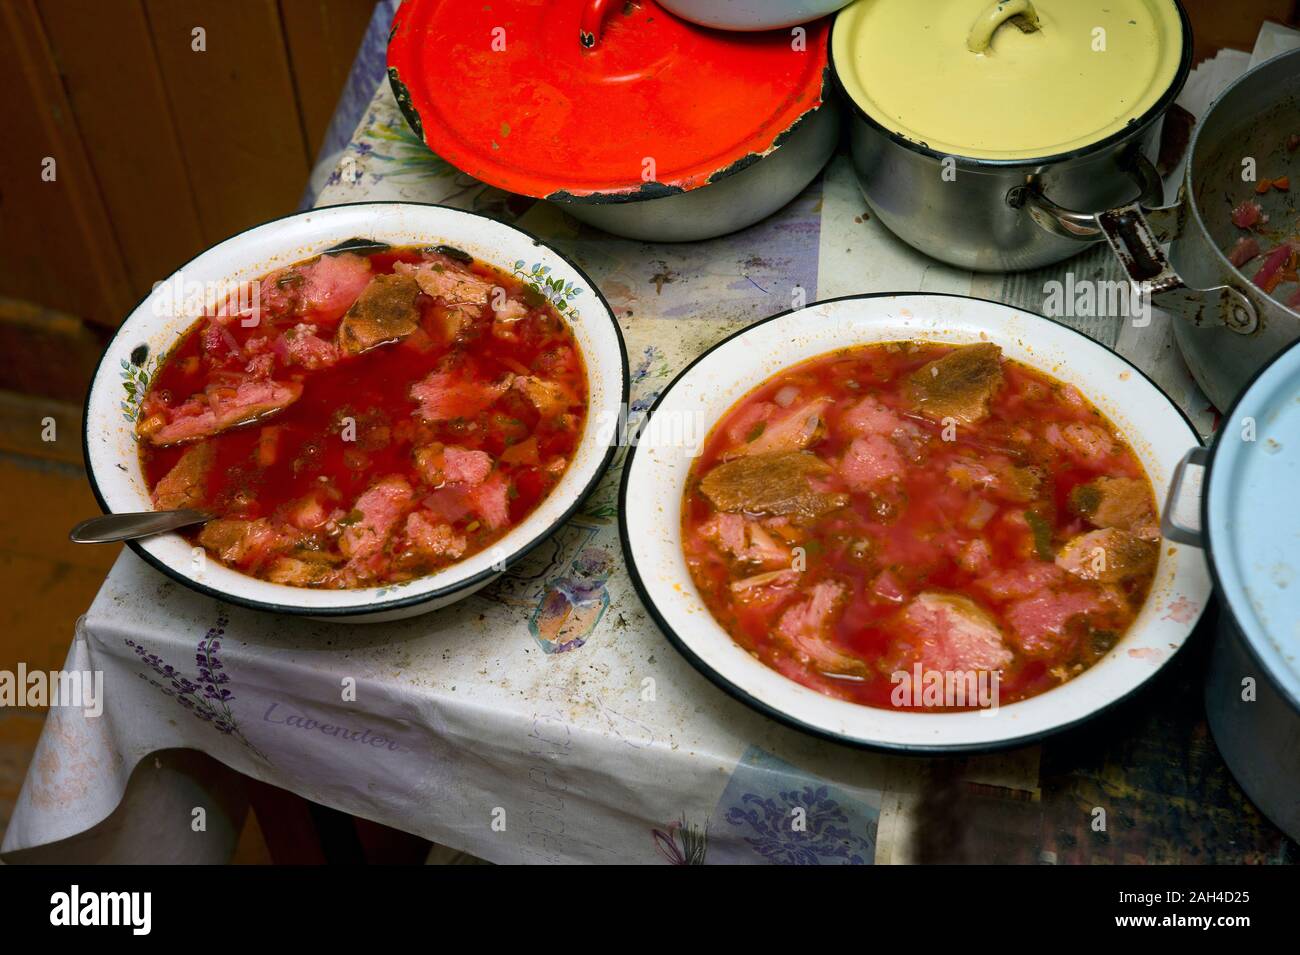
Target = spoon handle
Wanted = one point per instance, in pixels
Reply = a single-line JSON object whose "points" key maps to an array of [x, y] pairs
{"points": [[124, 527]]}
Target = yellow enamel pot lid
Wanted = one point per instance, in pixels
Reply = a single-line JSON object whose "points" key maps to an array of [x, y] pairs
{"points": [[1010, 79]]}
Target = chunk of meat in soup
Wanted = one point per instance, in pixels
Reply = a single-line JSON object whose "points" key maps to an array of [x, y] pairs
{"points": [[221, 408], [446, 395], [746, 540], [951, 633], [1023, 580], [1108, 555], [451, 286], [959, 385], [302, 569], [548, 397], [1087, 444], [186, 484], [806, 628], [771, 484], [997, 475], [1117, 502], [491, 501], [386, 312], [427, 537], [376, 513], [439, 465], [869, 416], [326, 287], [244, 543], [466, 467], [871, 462], [301, 345], [791, 430], [1039, 622]]}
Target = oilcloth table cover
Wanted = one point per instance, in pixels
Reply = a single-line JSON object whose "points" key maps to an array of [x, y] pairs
{"points": [[544, 719]]}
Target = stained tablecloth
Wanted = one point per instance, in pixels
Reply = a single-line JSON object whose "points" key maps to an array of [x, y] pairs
{"points": [[546, 719]]}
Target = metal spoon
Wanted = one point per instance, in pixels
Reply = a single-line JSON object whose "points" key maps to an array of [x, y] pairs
{"points": [[111, 528]]}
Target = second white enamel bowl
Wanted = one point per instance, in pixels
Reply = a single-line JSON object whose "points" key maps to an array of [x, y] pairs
{"points": [[655, 475]]}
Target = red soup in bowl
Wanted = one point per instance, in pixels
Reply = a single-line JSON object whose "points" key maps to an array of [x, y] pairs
{"points": [[371, 417], [911, 505]]}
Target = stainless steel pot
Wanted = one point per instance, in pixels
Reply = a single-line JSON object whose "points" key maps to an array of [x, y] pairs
{"points": [[985, 215], [1229, 326], [1237, 502], [732, 201]]}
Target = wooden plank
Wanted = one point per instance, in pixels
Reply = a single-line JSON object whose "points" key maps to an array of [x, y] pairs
{"points": [[323, 37], [234, 108], [24, 424], [384, 845], [1216, 24], [105, 55], [57, 244], [59, 353], [287, 825]]}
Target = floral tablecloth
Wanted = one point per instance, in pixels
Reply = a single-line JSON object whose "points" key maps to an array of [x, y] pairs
{"points": [[546, 719]]}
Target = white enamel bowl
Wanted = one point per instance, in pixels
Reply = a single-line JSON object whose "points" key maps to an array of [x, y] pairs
{"points": [[655, 476], [155, 324]]}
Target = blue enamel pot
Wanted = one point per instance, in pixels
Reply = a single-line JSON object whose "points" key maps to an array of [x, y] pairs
{"points": [[1248, 522]]}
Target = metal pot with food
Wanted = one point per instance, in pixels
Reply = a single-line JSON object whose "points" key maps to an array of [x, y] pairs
{"points": [[965, 111], [1236, 501], [623, 115], [1230, 274]]}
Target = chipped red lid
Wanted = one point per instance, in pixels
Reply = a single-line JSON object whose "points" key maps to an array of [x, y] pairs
{"points": [[590, 99]]}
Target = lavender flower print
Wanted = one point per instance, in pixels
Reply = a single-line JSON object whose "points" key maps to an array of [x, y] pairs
{"points": [[682, 842], [209, 697]]}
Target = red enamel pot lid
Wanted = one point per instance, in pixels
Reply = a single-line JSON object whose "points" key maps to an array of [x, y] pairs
{"points": [[597, 100]]}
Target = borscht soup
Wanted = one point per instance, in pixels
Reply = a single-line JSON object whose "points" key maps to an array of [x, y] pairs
{"points": [[892, 511], [375, 416]]}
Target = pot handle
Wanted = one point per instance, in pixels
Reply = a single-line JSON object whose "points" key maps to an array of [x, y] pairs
{"points": [[1021, 12], [1137, 246], [1138, 249], [1184, 498], [592, 24], [1085, 226]]}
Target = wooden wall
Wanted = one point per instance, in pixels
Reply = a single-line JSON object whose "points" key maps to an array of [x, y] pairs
{"points": [[1234, 23], [159, 148]]}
